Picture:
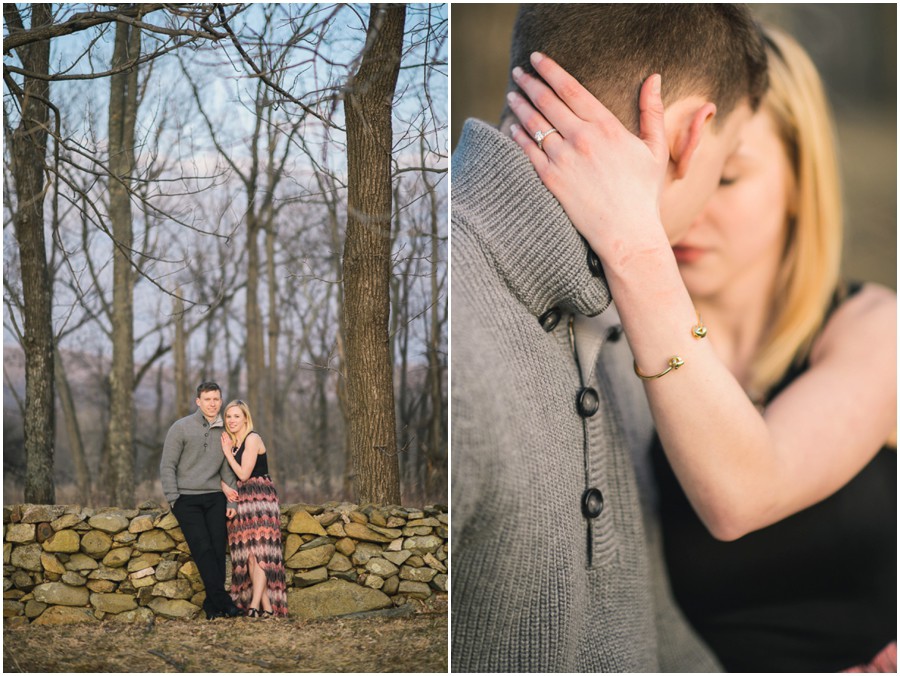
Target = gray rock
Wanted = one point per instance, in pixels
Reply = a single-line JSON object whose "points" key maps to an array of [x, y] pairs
{"points": [[34, 608], [311, 558], [167, 570], [74, 579], [397, 558], [60, 594], [176, 609], [106, 573], [154, 541], [418, 590], [39, 513], [310, 577], [363, 552], [391, 585], [417, 574], [440, 582], [96, 543], [174, 589], [432, 562], [65, 615], [358, 531], [317, 542], [113, 603], [427, 544], [381, 567], [109, 522], [81, 562], [334, 597], [117, 557], [21, 580], [66, 521], [66, 541], [27, 557], [339, 563], [141, 523], [374, 581], [20, 532]]}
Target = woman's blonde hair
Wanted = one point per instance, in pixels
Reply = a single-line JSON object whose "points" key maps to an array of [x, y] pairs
{"points": [[246, 411], [811, 262]]}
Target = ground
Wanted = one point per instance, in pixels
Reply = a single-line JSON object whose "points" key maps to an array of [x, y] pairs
{"points": [[415, 642]]}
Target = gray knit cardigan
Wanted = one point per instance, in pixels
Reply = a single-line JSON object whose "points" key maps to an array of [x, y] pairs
{"points": [[537, 586]]}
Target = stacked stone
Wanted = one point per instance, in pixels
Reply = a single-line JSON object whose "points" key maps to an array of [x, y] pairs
{"points": [[399, 553], [62, 563]]}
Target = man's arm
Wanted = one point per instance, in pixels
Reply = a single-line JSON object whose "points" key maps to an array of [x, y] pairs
{"points": [[168, 464], [228, 477]]}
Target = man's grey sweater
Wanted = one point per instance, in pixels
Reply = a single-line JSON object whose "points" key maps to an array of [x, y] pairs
{"points": [[192, 460], [536, 585]]}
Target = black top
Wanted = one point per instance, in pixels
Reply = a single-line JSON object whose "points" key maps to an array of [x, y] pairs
{"points": [[261, 468], [816, 591]]}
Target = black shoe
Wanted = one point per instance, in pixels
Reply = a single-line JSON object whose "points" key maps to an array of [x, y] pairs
{"points": [[213, 614], [253, 612], [232, 611]]}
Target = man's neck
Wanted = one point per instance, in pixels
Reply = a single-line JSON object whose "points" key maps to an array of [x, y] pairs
{"points": [[210, 420]]}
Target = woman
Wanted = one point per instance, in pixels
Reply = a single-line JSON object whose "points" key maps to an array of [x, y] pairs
{"points": [[254, 534], [778, 484]]}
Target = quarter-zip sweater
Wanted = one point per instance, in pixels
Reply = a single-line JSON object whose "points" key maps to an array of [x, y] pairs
{"points": [[553, 566], [192, 460]]}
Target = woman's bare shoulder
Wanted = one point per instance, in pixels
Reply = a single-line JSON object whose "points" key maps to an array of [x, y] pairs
{"points": [[867, 319]]}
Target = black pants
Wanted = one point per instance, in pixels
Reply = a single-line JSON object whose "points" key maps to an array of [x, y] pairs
{"points": [[202, 520]]}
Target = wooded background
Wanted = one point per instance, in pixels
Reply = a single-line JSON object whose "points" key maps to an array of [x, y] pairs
{"points": [[251, 194]]}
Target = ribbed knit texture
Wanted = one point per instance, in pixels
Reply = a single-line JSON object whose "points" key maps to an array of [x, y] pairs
{"points": [[525, 596], [192, 461]]}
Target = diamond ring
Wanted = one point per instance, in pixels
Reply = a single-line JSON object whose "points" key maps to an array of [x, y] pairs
{"points": [[539, 136]]}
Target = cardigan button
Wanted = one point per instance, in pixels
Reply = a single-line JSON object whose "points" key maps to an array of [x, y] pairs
{"points": [[594, 264], [613, 333], [550, 319], [588, 402], [591, 503]]}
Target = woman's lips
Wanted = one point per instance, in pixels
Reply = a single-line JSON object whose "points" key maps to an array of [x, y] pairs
{"points": [[687, 254]]}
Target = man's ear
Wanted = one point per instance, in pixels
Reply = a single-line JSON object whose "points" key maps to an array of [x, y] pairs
{"points": [[690, 124]]}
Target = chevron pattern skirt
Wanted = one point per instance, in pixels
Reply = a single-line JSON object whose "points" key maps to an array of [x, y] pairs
{"points": [[256, 530]]}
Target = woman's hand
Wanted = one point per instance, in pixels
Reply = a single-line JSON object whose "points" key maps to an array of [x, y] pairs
{"points": [[607, 180], [227, 444]]}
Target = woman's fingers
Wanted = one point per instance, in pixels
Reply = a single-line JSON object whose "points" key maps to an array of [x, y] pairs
{"points": [[570, 91], [537, 156], [556, 112], [653, 127], [532, 121]]}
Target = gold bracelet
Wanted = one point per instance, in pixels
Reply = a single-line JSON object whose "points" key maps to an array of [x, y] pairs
{"points": [[698, 330], [675, 362]]}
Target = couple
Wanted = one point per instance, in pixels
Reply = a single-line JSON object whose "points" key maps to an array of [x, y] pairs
{"points": [[772, 386], [205, 460]]}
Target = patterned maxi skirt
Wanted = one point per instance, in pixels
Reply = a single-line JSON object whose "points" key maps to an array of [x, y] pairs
{"points": [[256, 529]]}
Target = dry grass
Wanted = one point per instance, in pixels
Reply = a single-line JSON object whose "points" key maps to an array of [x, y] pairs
{"points": [[416, 643]]}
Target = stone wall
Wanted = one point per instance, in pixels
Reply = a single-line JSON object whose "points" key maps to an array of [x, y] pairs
{"points": [[62, 563]]}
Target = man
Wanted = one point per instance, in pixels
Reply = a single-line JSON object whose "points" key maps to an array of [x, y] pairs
{"points": [[191, 470], [553, 567]]}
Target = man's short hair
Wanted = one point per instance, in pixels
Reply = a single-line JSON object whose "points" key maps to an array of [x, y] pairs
{"points": [[714, 50], [208, 386]]}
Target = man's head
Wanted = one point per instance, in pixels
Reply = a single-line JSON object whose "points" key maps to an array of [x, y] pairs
{"points": [[209, 399], [713, 65]]}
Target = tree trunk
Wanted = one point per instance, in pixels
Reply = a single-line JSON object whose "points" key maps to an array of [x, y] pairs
{"points": [[123, 103], [73, 429], [179, 348], [271, 395], [435, 371], [367, 260], [28, 149]]}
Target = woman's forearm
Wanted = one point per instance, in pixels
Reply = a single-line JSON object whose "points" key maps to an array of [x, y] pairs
{"points": [[717, 442]]}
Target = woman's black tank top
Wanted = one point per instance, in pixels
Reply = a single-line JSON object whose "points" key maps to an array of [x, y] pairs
{"points": [[816, 591], [261, 468]]}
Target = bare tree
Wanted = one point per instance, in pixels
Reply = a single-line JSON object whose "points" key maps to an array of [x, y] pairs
{"points": [[28, 150], [123, 106], [367, 259]]}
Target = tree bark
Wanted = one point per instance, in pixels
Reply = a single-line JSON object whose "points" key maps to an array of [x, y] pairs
{"points": [[183, 397], [367, 260], [28, 149], [73, 429], [123, 103], [436, 435]]}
